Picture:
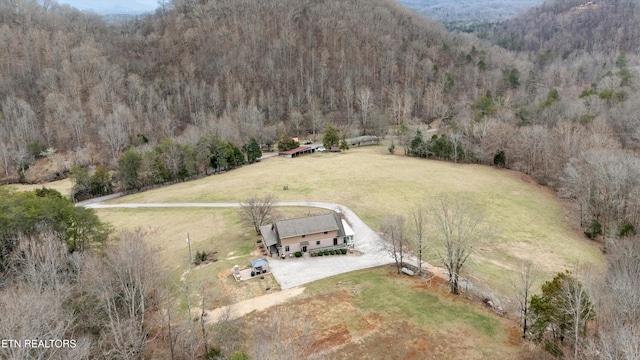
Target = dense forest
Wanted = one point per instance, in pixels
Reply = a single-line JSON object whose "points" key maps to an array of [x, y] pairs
{"points": [[491, 10], [189, 89], [565, 27]]}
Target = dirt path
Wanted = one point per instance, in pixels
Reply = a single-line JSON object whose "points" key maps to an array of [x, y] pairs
{"points": [[259, 303]]}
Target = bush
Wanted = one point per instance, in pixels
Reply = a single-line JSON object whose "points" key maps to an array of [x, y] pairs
{"points": [[200, 257], [326, 252], [239, 355], [213, 353], [298, 254], [594, 230], [343, 251], [332, 252], [627, 230], [319, 253]]}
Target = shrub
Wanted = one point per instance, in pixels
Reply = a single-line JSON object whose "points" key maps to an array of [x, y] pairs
{"points": [[213, 353], [343, 251], [200, 257], [314, 254], [239, 355], [298, 254], [319, 253], [326, 252], [627, 229], [594, 230], [332, 252]]}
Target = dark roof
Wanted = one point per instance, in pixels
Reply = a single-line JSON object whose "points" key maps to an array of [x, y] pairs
{"points": [[299, 149], [269, 236], [310, 225]]}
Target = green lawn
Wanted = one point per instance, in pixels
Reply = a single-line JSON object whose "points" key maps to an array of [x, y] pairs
{"points": [[376, 292]]}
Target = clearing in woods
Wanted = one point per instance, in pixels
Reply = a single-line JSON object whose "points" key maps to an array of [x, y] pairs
{"points": [[528, 220], [366, 310]]}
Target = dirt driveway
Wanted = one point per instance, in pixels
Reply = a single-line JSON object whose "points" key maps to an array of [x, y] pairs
{"points": [[259, 303]]}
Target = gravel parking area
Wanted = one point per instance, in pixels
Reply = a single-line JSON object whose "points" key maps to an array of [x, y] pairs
{"points": [[298, 271]]}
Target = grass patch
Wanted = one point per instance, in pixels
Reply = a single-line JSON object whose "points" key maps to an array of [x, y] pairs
{"points": [[63, 186], [210, 230], [377, 292]]}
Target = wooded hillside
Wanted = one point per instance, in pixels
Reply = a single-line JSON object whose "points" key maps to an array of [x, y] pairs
{"points": [[179, 93], [566, 26]]}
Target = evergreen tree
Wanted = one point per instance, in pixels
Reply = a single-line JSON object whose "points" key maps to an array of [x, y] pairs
{"points": [[252, 150], [331, 137], [129, 166], [287, 143]]}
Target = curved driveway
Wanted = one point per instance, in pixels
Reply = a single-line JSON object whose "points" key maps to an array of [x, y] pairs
{"points": [[297, 271]]}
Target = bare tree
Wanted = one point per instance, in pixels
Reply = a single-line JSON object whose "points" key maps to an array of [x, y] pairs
{"points": [[365, 104], [226, 332], [617, 301], [256, 211], [457, 225], [419, 228], [284, 336], [578, 307], [123, 284], [113, 130], [393, 228], [522, 287], [36, 304]]}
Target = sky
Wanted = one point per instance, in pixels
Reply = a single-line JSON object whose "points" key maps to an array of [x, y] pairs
{"points": [[113, 6]]}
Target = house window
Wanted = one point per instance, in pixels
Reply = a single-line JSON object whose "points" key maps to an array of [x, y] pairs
{"points": [[318, 242], [326, 232], [303, 236], [335, 241], [344, 240], [286, 248]]}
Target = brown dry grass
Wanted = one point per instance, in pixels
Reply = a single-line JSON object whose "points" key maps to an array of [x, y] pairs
{"points": [[211, 230], [528, 220], [63, 186], [344, 326]]}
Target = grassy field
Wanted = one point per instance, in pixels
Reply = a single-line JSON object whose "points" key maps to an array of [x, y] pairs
{"points": [[373, 312], [377, 314], [527, 220], [63, 186]]}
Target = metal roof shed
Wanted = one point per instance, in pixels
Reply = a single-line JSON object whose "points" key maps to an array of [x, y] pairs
{"points": [[260, 265]]}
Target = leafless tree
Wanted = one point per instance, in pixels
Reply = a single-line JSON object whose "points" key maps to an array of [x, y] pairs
{"points": [[365, 104], [523, 288], [36, 304], [123, 285], [256, 211], [578, 307], [113, 133], [458, 228], [394, 230], [226, 332], [283, 336], [617, 302], [419, 228]]}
